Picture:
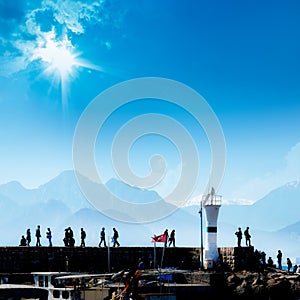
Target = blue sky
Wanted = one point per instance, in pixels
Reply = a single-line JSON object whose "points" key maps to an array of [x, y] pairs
{"points": [[241, 56]]}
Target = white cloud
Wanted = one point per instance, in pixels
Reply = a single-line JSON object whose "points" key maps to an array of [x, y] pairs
{"points": [[63, 17], [73, 15]]}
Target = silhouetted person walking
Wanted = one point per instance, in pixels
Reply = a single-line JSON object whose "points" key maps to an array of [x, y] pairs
{"points": [[166, 233], [172, 238], [115, 237], [82, 236], [247, 237], [279, 259], [38, 236], [49, 236], [239, 235], [102, 237], [28, 237]]}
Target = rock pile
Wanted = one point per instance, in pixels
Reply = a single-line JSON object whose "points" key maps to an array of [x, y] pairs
{"points": [[269, 284]]}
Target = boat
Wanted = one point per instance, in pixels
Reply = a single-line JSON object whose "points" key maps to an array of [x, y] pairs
{"points": [[54, 286], [81, 286]]}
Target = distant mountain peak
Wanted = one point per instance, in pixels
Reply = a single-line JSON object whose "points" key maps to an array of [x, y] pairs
{"points": [[12, 185], [131, 193], [66, 175]]}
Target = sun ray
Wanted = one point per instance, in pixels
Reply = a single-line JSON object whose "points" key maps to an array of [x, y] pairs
{"points": [[60, 61]]}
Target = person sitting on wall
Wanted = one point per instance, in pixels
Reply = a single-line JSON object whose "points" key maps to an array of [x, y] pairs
{"points": [[23, 241], [295, 268], [263, 258], [270, 262]]}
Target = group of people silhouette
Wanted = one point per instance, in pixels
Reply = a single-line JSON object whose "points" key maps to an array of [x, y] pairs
{"points": [[169, 238], [68, 239], [26, 241], [270, 262], [247, 235], [261, 256]]}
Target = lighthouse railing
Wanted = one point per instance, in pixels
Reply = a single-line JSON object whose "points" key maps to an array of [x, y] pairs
{"points": [[211, 199]]}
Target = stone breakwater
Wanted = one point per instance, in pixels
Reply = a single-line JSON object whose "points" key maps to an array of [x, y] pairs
{"points": [[268, 284], [238, 276], [93, 259]]}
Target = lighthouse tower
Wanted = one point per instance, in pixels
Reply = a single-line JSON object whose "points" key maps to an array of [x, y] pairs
{"points": [[211, 203]]}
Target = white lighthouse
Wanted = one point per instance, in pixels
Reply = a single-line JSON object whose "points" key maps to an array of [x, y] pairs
{"points": [[211, 203]]}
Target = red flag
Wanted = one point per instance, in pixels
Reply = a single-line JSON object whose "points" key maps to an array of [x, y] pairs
{"points": [[159, 238]]}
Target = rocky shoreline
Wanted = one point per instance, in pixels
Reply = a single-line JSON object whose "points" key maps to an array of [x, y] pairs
{"points": [[266, 284]]}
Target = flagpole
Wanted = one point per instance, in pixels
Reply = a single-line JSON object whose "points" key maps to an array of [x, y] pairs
{"points": [[201, 234], [154, 256], [162, 257], [108, 255]]}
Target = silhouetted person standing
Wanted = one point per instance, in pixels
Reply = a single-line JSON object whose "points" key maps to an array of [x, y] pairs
{"points": [[49, 236], [172, 238], [289, 264], [38, 236], [82, 236], [115, 237], [263, 258], [279, 259], [71, 240], [28, 237], [239, 235], [166, 233], [66, 237], [102, 237], [247, 237]]}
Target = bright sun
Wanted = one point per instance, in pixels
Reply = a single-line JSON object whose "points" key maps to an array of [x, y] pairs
{"points": [[60, 61], [58, 55]]}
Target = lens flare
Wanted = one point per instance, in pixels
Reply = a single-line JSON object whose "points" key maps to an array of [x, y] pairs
{"points": [[58, 55], [61, 60]]}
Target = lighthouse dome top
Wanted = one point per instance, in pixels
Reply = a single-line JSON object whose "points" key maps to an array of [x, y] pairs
{"points": [[212, 199]]}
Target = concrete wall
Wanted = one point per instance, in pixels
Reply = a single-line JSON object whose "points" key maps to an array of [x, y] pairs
{"points": [[91, 259], [95, 259], [237, 258]]}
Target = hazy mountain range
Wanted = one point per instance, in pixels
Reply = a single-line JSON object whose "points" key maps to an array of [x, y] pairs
{"points": [[274, 220]]}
